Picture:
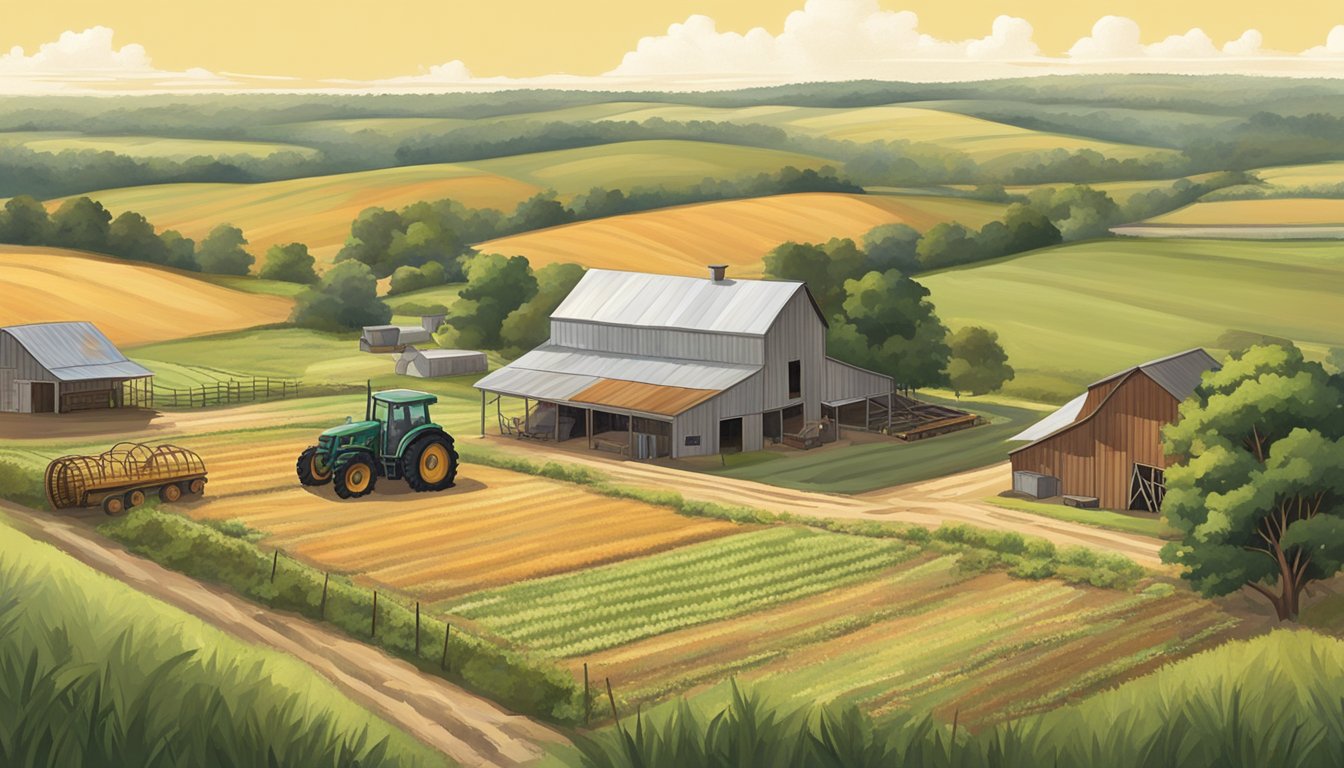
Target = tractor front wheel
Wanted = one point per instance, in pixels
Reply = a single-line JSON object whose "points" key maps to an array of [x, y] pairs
{"points": [[355, 479], [430, 464], [311, 469]]}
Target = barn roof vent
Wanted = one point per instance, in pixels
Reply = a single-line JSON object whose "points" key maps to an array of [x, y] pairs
{"points": [[718, 272]]}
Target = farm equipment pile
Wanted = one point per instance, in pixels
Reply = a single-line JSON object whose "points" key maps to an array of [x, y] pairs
{"points": [[120, 478]]}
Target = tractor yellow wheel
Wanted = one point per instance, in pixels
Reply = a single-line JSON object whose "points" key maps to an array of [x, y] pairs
{"points": [[357, 477], [434, 463]]}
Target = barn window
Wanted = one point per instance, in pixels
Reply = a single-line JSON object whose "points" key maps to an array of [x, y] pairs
{"points": [[795, 379]]}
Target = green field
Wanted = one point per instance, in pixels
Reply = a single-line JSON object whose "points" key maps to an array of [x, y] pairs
{"points": [[1115, 521], [868, 466], [599, 608], [1069, 315], [1294, 176], [147, 146], [642, 164], [95, 673]]}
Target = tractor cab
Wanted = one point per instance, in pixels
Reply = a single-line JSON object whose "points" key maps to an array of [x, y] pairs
{"points": [[396, 440]]}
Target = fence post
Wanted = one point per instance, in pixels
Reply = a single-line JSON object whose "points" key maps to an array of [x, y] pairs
{"points": [[417, 627], [322, 606], [275, 561], [587, 695], [373, 622], [612, 698], [447, 630]]}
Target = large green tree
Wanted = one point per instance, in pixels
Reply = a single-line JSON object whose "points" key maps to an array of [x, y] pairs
{"points": [[824, 267], [978, 364], [222, 252], [1258, 490], [24, 221], [905, 338], [530, 324], [496, 286], [290, 262], [131, 236], [346, 298], [81, 223]]}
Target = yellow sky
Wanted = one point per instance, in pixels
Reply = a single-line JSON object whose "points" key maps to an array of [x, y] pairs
{"points": [[519, 38]]}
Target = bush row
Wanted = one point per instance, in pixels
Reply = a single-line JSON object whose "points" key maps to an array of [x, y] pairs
{"points": [[225, 554]]}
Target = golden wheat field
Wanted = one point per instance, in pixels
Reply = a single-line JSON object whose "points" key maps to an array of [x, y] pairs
{"points": [[131, 303], [1280, 212], [494, 527], [316, 210], [738, 233]]}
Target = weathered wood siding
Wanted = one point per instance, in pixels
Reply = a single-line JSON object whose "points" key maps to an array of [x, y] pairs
{"points": [[1096, 455], [797, 334]]}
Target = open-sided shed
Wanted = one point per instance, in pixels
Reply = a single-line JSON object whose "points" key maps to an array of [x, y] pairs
{"points": [[59, 367]]}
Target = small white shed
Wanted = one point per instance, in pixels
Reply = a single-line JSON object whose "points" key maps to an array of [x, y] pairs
{"points": [[432, 363]]}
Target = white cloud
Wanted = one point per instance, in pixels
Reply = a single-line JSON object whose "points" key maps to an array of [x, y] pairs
{"points": [[88, 60], [1120, 38], [1334, 45], [826, 39]]}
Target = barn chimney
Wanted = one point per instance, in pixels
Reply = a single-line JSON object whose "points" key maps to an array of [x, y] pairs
{"points": [[718, 272]]}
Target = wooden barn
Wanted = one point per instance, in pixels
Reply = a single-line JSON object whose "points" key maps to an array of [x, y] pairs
{"points": [[60, 367], [656, 365], [1106, 443]]}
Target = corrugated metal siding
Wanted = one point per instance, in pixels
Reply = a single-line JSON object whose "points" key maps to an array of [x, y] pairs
{"points": [[8, 397], [702, 420], [544, 385], [667, 301], [844, 381], [797, 334], [1096, 457], [752, 440], [743, 399], [658, 342], [695, 374]]}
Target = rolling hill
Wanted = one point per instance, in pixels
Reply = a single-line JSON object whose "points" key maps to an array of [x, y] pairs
{"points": [[683, 239], [131, 303], [315, 210], [140, 146], [632, 164], [1068, 315], [1272, 212]]}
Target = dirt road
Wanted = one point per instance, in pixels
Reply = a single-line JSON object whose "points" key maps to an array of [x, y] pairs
{"points": [[951, 499], [467, 728]]}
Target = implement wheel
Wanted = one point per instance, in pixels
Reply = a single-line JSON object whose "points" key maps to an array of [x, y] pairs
{"points": [[114, 506], [197, 487], [135, 498], [311, 469], [355, 479], [430, 463], [170, 493]]}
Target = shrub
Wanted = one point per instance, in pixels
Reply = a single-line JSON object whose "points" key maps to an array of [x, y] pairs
{"points": [[22, 485], [291, 263], [345, 299]]}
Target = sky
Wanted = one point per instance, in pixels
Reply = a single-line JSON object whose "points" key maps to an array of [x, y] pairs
{"points": [[414, 44]]}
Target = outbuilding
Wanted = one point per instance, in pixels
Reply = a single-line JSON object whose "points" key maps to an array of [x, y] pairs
{"points": [[61, 367], [659, 365], [432, 363], [1106, 444]]}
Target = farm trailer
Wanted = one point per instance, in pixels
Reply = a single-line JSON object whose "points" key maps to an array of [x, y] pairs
{"points": [[121, 477]]}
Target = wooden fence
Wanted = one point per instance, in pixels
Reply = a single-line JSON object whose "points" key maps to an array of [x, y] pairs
{"points": [[226, 392]]}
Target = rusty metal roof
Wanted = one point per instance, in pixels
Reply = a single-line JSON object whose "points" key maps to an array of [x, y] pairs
{"points": [[646, 398], [745, 307], [75, 351]]}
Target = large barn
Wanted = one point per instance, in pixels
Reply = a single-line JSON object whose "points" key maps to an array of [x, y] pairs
{"points": [[656, 365], [1106, 443], [60, 367]]}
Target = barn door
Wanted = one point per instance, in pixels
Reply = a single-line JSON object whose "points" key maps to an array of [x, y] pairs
{"points": [[43, 397], [1147, 486]]}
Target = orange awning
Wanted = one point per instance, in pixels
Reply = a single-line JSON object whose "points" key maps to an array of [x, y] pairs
{"points": [[637, 396]]}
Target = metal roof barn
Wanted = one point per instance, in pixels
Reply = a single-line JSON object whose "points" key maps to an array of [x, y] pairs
{"points": [[46, 367]]}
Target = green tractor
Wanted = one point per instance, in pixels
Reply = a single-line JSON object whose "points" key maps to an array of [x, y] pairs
{"points": [[395, 440]]}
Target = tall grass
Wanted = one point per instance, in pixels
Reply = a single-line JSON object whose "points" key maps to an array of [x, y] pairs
{"points": [[94, 674], [1273, 701]]}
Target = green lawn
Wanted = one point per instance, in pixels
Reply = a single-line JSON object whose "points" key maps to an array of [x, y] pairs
{"points": [[97, 673], [1101, 518], [867, 467], [1069, 315], [256, 284]]}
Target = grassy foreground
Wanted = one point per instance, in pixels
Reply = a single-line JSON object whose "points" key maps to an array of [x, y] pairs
{"points": [[94, 674], [1270, 701]]}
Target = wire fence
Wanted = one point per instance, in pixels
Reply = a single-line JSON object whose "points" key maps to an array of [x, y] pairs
{"points": [[226, 392]]}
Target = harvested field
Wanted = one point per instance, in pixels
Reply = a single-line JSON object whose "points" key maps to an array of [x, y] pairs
{"points": [[1277, 212], [129, 302], [495, 527], [682, 239]]}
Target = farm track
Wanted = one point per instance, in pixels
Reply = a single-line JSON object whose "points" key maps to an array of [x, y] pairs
{"points": [[471, 730], [953, 499]]}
